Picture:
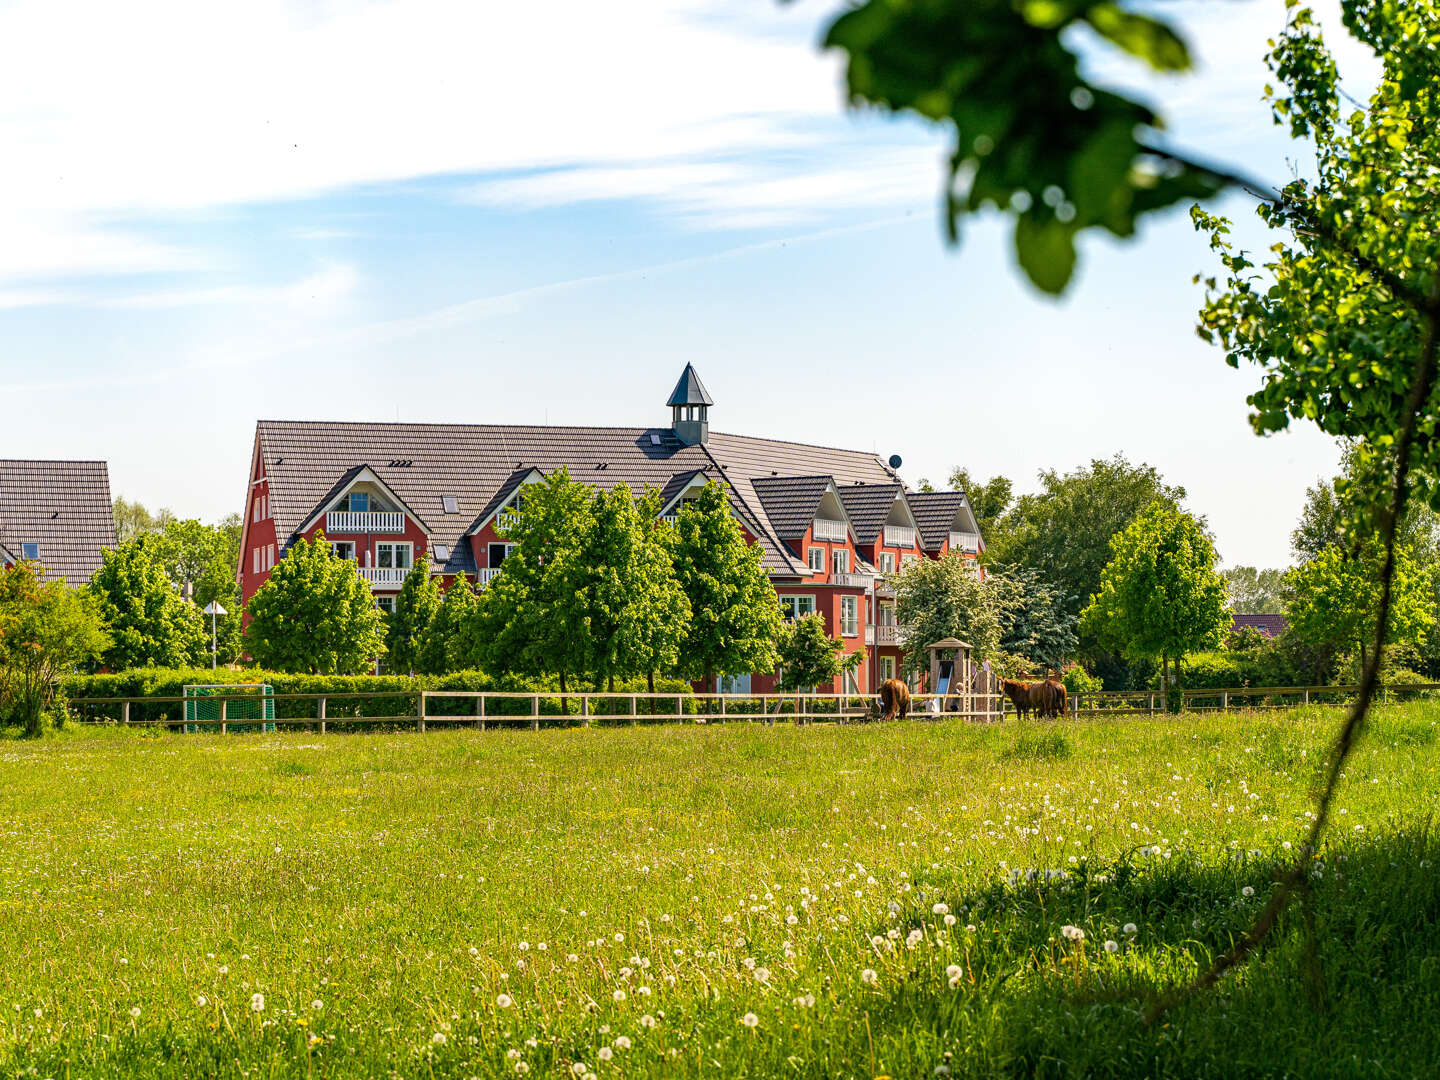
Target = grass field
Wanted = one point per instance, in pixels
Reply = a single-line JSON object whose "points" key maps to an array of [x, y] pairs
{"points": [[860, 901]]}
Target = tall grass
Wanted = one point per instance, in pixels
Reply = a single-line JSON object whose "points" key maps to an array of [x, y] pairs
{"points": [[876, 900]]}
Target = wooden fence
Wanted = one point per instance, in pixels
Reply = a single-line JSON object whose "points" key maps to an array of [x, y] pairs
{"points": [[1150, 702]]}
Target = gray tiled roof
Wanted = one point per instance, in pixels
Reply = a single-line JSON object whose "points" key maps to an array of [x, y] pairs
{"points": [[472, 462], [867, 506], [790, 502], [934, 514], [64, 506]]}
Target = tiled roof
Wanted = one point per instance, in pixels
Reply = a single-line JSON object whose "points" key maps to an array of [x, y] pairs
{"points": [[1269, 625], [934, 514], [790, 502], [503, 493], [422, 463], [64, 506], [867, 506]]}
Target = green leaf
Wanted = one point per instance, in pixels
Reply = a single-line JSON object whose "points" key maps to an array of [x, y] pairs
{"points": [[1141, 36], [1046, 250]]}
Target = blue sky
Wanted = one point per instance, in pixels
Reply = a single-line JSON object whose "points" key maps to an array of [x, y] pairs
{"points": [[435, 210]]}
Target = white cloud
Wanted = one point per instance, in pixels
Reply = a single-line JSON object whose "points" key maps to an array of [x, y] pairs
{"points": [[323, 288], [168, 105]]}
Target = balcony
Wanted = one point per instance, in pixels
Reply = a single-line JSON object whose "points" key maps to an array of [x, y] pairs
{"points": [[826, 529], [882, 635], [965, 541], [670, 519], [482, 577], [386, 577], [506, 519], [852, 581], [374, 521], [902, 536]]}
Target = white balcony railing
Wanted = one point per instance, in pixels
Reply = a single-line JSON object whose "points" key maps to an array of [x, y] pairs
{"points": [[900, 536], [852, 581], [882, 635], [374, 521], [506, 519], [670, 519], [964, 541], [384, 576], [483, 577], [826, 529]]}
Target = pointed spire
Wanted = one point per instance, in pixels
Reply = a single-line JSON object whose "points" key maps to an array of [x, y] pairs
{"points": [[689, 390]]}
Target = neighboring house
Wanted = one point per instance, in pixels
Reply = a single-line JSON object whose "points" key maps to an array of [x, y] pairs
{"points": [[57, 514], [830, 522], [1272, 626]]}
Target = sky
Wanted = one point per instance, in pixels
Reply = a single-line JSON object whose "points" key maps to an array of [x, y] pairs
{"points": [[442, 210]]}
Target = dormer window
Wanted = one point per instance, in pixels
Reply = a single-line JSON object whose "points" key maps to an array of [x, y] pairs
{"points": [[29, 551], [359, 502]]}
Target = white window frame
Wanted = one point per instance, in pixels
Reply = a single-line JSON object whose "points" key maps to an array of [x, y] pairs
{"points": [[907, 558], [840, 560], [350, 498], [385, 603], [489, 550], [795, 612], [849, 616], [255, 560], [887, 668], [336, 545], [887, 562], [395, 547], [812, 559], [270, 556], [29, 549], [850, 681]]}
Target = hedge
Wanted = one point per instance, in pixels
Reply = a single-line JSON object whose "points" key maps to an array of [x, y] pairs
{"points": [[352, 695]]}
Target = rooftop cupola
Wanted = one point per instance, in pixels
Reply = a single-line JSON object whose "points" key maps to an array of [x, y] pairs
{"points": [[690, 408]]}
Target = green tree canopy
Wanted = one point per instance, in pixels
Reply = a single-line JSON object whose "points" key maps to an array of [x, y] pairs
{"points": [[735, 615], [1254, 591], [656, 619], [1335, 600], [46, 631], [940, 598], [1160, 595], [440, 649], [1034, 621], [532, 616], [408, 627], [1064, 530], [149, 622], [316, 614], [132, 519], [988, 501], [809, 656], [205, 557]]}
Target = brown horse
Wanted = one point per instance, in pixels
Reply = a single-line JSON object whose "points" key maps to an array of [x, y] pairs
{"points": [[894, 698], [1020, 694], [1055, 697]]}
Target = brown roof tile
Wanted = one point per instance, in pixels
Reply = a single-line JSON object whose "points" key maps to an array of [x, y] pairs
{"points": [[64, 507]]}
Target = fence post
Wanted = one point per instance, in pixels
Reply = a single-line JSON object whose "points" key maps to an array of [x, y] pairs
{"points": [[679, 708], [420, 712], [1307, 696], [1224, 699], [480, 709], [125, 713], [584, 710], [321, 711], [223, 702], [534, 712]]}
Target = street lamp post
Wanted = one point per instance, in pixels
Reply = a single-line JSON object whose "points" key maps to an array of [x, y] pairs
{"points": [[213, 609]]}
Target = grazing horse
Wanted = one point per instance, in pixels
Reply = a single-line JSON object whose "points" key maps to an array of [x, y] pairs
{"points": [[1020, 695], [1055, 697], [894, 698]]}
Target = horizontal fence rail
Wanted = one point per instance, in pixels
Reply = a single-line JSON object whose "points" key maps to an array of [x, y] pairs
{"points": [[358, 709], [1219, 699]]}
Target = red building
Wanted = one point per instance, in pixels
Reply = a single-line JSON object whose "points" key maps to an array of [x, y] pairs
{"points": [[831, 523]]}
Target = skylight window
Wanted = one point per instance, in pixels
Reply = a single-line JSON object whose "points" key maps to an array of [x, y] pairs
{"points": [[442, 552], [654, 439], [30, 551], [452, 504]]}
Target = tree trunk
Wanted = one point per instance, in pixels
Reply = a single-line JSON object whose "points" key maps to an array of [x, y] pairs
{"points": [[650, 686], [610, 683]]}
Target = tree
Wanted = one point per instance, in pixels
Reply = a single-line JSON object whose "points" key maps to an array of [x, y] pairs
{"points": [[1160, 595], [46, 630], [940, 598], [439, 650], [1064, 530], [657, 618], [132, 519], [532, 617], [735, 614], [315, 614], [1252, 591], [1034, 137], [1336, 597], [149, 622], [408, 627], [204, 557], [988, 501], [1034, 622], [809, 656]]}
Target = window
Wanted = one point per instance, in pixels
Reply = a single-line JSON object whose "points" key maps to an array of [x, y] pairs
{"points": [[270, 554], [392, 556], [451, 504], [796, 607], [255, 561], [343, 549], [359, 502], [841, 561], [817, 559], [29, 551], [499, 553], [442, 552], [887, 668], [850, 616], [255, 509], [885, 614], [887, 562], [386, 604], [908, 558]]}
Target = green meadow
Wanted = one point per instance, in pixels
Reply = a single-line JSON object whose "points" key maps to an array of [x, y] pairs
{"points": [[901, 900]]}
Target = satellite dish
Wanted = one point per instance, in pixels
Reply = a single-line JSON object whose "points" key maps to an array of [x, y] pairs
{"points": [[895, 461]]}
